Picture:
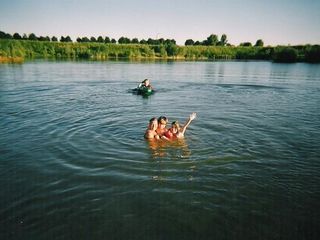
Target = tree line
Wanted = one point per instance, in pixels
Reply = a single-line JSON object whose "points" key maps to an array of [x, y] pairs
{"points": [[212, 40], [100, 39], [212, 48]]}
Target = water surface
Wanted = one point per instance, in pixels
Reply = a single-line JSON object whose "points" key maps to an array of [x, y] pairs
{"points": [[74, 164]]}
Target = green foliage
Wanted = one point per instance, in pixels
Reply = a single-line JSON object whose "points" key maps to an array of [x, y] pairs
{"points": [[246, 52], [65, 39], [135, 41], [223, 40], [285, 54], [4, 35], [312, 54], [189, 42], [160, 50], [245, 44], [32, 37], [17, 36], [29, 46], [171, 49], [168, 49], [107, 40], [212, 40], [124, 40], [100, 39], [259, 43]]}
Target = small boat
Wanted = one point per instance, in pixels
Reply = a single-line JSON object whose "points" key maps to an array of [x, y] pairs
{"points": [[144, 91]]}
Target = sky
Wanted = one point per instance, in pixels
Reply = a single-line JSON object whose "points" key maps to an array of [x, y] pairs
{"points": [[276, 22]]}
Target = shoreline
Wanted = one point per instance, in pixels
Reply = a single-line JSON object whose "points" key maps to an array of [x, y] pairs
{"points": [[18, 51], [11, 59]]}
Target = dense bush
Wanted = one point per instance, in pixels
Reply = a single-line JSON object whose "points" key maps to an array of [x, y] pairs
{"points": [[101, 51], [285, 54], [312, 54]]}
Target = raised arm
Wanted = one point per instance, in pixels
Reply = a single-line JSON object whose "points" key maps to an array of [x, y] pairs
{"points": [[191, 117]]}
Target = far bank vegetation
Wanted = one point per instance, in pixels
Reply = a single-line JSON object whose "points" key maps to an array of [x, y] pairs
{"points": [[16, 48]]}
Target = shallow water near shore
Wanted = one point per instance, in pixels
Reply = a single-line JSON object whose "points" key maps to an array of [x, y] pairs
{"points": [[74, 164]]}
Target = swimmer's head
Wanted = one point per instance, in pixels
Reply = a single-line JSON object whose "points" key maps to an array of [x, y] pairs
{"points": [[146, 82], [175, 126], [153, 123], [162, 120]]}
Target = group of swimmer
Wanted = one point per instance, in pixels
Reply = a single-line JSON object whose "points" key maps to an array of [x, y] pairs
{"points": [[157, 128]]}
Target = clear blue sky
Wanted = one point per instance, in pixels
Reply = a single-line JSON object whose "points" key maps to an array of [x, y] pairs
{"points": [[274, 21]]}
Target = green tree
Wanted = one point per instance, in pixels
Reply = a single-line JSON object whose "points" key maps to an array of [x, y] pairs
{"points": [[246, 44], [42, 38], [93, 39], [171, 49], [32, 37], [223, 40], [107, 40], [2, 35], [68, 39], [170, 41], [135, 41], [124, 40], [259, 43], [113, 40], [161, 41], [100, 39], [85, 39], [151, 41], [285, 55], [189, 42], [212, 40], [312, 54], [143, 41], [17, 36], [65, 39]]}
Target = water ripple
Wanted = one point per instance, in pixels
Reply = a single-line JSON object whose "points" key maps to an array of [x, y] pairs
{"points": [[73, 153]]}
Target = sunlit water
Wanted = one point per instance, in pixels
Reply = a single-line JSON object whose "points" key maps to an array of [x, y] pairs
{"points": [[74, 164]]}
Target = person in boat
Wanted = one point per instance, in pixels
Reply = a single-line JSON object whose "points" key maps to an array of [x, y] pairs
{"points": [[145, 84], [177, 132], [162, 123], [151, 130]]}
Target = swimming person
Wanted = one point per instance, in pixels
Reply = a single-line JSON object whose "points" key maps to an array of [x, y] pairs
{"points": [[145, 84], [151, 130], [177, 132], [144, 88], [162, 123]]}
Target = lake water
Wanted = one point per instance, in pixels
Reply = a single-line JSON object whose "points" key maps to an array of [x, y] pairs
{"points": [[74, 163]]}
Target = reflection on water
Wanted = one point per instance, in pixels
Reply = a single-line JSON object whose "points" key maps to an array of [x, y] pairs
{"points": [[174, 150]]}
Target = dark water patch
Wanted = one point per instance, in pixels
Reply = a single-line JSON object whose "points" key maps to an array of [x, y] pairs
{"points": [[250, 86]]}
